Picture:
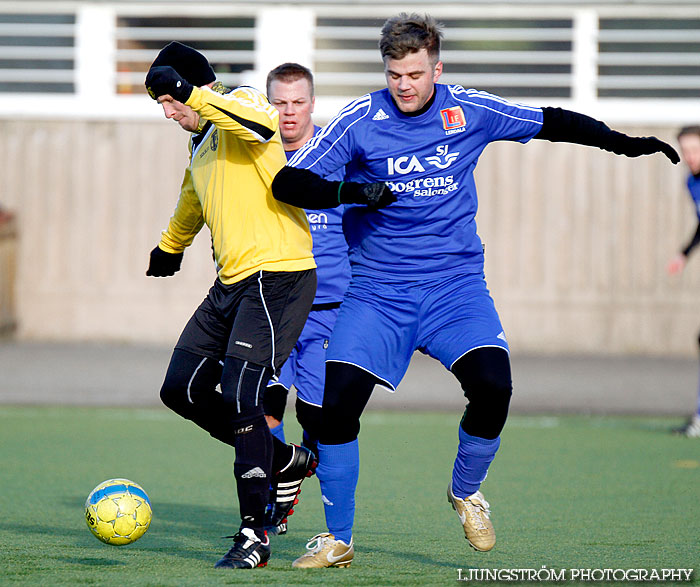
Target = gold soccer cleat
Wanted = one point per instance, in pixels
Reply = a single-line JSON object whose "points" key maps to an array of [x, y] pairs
{"points": [[474, 513], [323, 550]]}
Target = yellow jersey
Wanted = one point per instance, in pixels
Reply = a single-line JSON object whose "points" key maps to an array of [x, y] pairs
{"points": [[227, 186]]}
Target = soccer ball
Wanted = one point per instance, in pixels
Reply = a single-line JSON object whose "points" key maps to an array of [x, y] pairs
{"points": [[118, 511]]}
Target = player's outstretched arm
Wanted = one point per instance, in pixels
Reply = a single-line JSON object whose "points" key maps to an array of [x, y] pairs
{"points": [[559, 125], [305, 189]]}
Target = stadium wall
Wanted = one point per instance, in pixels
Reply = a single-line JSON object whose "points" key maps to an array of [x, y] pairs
{"points": [[576, 239]]}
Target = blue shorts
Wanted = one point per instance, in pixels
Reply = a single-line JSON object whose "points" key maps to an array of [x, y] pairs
{"points": [[305, 368], [381, 323]]}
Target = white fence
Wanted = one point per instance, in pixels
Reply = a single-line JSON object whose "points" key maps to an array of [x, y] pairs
{"points": [[576, 239], [625, 62]]}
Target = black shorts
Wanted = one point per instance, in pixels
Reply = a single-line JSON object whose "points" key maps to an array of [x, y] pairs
{"points": [[258, 319]]}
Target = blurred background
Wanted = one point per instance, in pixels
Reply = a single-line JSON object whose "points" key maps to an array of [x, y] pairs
{"points": [[576, 239]]}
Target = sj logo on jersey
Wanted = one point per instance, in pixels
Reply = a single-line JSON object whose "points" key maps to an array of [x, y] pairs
{"points": [[453, 120]]}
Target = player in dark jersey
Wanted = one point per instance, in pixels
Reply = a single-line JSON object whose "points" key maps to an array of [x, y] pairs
{"points": [[689, 141], [290, 89], [417, 265]]}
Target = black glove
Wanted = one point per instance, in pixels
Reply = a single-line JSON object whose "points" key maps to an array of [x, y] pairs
{"points": [[635, 146], [163, 264], [163, 79], [373, 195]]}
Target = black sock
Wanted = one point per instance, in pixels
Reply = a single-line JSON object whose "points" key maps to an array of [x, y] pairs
{"points": [[310, 443], [252, 470]]}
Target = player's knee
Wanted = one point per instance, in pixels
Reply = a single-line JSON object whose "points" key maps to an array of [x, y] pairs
{"points": [[338, 429], [340, 420], [484, 375], [348, 389], [190, 379], [172, 395], [173, 392], [309, 417], [275, 401], [495, 389], [338, 423]]}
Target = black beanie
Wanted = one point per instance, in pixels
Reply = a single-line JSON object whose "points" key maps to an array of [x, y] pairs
{"points": [[188, 62]]}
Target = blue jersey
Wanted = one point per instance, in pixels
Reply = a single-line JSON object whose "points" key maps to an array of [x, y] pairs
{"points": [[329, 248], [428, 162], [694, 189]]}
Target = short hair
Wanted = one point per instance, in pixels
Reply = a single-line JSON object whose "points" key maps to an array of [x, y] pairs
{"points": [[689, 130], [409, 33], [290, 72]]}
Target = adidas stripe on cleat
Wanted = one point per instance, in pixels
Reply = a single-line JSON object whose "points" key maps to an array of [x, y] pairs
{"points": [[473, 512], [247, 552], [287, 485], [277, 530]]}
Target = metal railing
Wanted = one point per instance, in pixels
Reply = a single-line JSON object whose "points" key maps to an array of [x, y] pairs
{"points": [[630, 62]]}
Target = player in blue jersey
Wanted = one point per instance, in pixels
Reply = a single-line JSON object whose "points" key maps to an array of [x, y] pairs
{"points": [[689, 141], [417, 264], [290, 88]]}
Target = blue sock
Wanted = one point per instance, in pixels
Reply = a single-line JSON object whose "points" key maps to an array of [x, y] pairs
{"points": [[337, 472], [278, 432], [474, 456]]}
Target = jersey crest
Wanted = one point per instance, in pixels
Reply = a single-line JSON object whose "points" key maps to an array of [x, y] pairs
{"points": [[453, 120]]}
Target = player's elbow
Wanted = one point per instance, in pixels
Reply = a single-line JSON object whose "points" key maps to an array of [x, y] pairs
{"points": [[304, 189], [284, 186]]}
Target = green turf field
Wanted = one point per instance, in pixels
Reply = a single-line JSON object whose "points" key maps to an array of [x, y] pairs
{"points": [[565, 492]]}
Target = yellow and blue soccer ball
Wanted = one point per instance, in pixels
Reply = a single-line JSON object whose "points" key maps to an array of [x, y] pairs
{"points": [[118, 511]]}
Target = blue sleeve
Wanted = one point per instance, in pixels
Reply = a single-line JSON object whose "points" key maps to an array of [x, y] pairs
{"points": [[501, 119], [694, 189], [332, 147]]}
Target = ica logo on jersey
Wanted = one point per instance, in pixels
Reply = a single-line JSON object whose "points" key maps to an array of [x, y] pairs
{"points": [[404, 165]]}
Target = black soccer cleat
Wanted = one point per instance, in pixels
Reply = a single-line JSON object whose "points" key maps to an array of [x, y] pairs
{"points": [[276, 530], [247, 552], [286, 487]]}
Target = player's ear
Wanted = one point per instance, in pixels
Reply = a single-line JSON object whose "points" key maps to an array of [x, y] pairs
{"points": [[437, 72]]}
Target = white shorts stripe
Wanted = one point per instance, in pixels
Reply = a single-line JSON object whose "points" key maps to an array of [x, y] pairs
{"points": [[269, 320]]}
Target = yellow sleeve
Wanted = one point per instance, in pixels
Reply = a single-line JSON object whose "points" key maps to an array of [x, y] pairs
{"points": [[186, 221], [244, 111]]}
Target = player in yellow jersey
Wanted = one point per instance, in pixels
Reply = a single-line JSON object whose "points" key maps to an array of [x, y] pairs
{"points": [[246, 327]]}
